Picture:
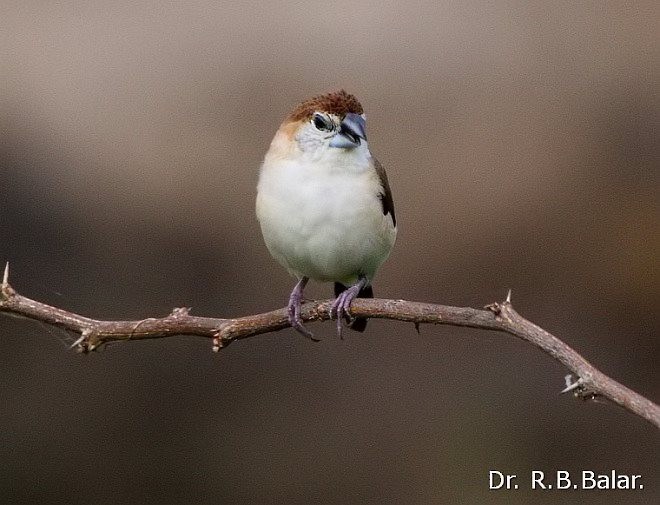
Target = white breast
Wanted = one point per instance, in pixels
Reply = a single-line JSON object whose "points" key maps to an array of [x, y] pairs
{"points": [[324, 219]]}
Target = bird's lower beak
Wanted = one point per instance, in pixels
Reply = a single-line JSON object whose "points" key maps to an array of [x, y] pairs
{"points": [[352, 129]]}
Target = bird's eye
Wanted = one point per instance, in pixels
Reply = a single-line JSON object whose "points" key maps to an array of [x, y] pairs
{"points": [[321, 123]]}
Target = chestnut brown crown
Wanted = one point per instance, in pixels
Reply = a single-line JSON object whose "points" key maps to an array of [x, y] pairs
{"points": [[338, 103]]}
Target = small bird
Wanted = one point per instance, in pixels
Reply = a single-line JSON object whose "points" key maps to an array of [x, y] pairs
{"points": [[324, 204]]}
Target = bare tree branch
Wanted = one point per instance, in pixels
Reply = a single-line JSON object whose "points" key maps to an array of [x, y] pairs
{"points": [[496, 317]]}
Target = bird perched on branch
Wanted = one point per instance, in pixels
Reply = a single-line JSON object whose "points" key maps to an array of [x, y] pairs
{"points": [[324, 203]]}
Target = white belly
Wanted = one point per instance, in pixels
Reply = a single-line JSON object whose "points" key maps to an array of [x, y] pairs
{"points": [[325, 225]]}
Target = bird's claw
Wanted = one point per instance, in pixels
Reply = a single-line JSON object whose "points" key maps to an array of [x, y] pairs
{"points": [[297, 325], [293, 313], [341, 307]]}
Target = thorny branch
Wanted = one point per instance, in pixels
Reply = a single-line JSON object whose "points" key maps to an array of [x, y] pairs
{"points": [[495, 317]]}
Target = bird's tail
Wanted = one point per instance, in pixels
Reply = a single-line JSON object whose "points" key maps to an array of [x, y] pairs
{"points": [[359, 323]]}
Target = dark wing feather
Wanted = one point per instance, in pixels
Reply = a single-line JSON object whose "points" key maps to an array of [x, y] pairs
{"points": [[386, 192]]}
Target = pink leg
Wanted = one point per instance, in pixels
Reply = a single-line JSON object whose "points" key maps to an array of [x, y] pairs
{"points": [[342, 304], [293, 309]]}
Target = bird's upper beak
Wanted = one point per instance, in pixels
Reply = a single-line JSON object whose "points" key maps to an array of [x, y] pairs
{"points": [[352, 129]]}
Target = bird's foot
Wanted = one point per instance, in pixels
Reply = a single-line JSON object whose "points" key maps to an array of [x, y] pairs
{"points": [[294, 308], [342, 305]]}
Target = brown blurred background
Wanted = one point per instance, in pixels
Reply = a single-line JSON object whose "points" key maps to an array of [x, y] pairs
{"points": [[521, 142]]}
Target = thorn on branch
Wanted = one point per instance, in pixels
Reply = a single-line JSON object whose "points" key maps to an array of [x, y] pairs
{"points": [[578, 388], [219, 342], [494, 307], [498, 307], [570, 385], [180, 311], [81, 343], [6, 290]]}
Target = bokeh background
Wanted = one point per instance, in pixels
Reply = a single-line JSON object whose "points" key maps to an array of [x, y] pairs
{"points": [[521, 142]]}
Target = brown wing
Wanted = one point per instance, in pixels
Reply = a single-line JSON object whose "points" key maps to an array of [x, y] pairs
{"points": [[385, 194]]}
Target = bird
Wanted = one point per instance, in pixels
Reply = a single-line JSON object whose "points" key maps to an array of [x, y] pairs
{"points": [[324, 204]]}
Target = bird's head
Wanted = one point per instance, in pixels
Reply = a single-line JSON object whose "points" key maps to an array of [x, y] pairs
{"points": [[324, 125]]}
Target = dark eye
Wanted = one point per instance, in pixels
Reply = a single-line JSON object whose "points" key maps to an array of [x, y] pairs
{"points": [[321, 123]]}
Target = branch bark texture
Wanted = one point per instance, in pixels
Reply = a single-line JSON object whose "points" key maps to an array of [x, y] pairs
{"points": [[499, 316]]}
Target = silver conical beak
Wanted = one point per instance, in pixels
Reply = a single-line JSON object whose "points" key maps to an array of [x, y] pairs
{"points": [[352, 129]]}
